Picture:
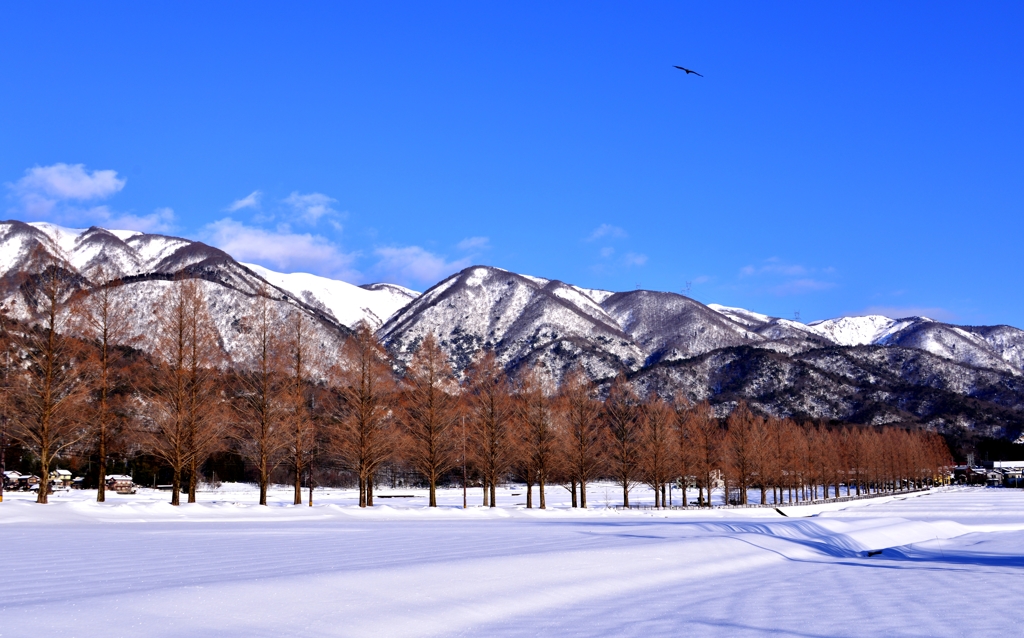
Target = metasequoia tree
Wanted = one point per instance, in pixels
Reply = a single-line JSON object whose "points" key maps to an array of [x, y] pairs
{"points": [[703, 432], [658, 446], [183, 428], [262, 433], [490, 409], [745, 443], [299, 357], [49, 392], [582, 435], [364, 436], [538, 435], [103, 317], [621, 417], [430, 413]]}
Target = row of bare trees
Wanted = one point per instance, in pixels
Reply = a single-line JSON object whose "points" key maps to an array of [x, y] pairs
{"points": [[76, 381]]}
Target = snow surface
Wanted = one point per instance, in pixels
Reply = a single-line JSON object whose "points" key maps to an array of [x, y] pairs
{"points": [[740, 315], [135, 566], [349, 304], [860, 331]]}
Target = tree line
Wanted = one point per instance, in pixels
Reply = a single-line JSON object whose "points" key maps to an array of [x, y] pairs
{"points": [[76, 382]]}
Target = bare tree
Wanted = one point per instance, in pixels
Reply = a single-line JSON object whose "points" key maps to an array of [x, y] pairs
{"points": [[183, 428], [103, 317], [430, 414], [538, 433], [705, 434], [262, 432], [582, 434], [50, 391], [365, 437], [491, 417], [658, 446], [744, 447], [299, 418], [621, 417]]}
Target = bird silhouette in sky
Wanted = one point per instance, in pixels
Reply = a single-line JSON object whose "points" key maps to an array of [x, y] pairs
{"points": [[688, 71]]}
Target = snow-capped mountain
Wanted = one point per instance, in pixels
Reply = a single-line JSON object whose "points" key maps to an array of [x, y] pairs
{"points": [[347, 303], [869, 369], [524, 319], [146, 263]]}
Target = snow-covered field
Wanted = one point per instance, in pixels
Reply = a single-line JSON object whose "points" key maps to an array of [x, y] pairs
{"points": [[951, 564]]}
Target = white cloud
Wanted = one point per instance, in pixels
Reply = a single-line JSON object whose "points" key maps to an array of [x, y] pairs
{"points": [[68, 181], [607, 230], [634, 259], [282, 249], [412, 264], [607, 251], [252, 200], [311, 207], [474, 243], [52, 193]]}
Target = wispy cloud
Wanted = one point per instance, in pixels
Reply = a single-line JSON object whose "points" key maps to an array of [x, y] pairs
{"points": [[415, 265], [607, 230], [474, 243], [800, 286], [607, 252], [634, 259], [778, 277], [309, 208], [252, 200], [281, 249]]}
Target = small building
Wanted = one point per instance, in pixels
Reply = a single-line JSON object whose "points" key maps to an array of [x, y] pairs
{"points": [[1011, 473], [121, 483], [12, 480], [61, 479]]}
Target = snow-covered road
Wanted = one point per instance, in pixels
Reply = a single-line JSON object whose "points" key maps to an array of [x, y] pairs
{"points": [[950, 565]]}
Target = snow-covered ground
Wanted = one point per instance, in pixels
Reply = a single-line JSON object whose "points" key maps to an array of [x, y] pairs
{"points": [[949, 565]]}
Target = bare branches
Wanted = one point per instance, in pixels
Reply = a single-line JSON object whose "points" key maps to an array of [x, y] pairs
{"points": [[430, 412], [364, 436]]}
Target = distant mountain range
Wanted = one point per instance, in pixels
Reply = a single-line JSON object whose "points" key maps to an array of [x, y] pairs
{"points": [[870, 369]]}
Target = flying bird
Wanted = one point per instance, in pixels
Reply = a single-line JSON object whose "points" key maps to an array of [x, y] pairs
{"points": [[688, 71]]}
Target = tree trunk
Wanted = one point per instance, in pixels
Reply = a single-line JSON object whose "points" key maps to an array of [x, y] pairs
{"points": [[362, 491], [176, 488], [487, 495], [369, 490], [572, 490], [494, 496], [583, 494], [297, 500], [540, 491], [44, 480], [433, 492], [529, 495], [101, 489], [193, 473]]}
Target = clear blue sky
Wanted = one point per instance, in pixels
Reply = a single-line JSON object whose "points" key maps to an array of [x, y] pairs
{"points": [[835, 158]]}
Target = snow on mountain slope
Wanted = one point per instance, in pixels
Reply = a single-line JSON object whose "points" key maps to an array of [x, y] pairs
{"points": [[748, 318], [348, 304], [668, 326], [525, 320], [859, 331]]}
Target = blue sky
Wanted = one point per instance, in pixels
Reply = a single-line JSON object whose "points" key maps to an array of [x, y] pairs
{"points": [[836, 158]]}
